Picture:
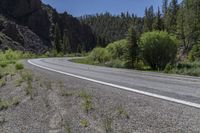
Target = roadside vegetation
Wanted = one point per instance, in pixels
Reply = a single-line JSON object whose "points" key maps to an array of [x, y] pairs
{"points": [[155, 51], [165, 40]]}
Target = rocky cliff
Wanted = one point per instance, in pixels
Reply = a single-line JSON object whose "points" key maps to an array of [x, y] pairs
{"points": [[28, 25]]}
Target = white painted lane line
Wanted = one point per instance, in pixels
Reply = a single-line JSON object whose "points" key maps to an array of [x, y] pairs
{"points": [[191, 104]]}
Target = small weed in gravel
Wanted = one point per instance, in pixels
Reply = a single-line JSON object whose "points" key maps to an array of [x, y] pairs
{"points": [[67, 128], [48, 85], [61, 85], [1, 75], [46, 101], [64, 93], [2, 120], [26, 76], [107, 124], [4, 104], [122, 112], [2, 82], [15, 101], [29, 89], [84, 123], [87, 101], [19, 82]]}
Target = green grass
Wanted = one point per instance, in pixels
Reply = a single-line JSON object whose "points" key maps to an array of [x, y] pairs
{"points": [[26, 76], [107, 124], [67, 128], [19, 82], [87, 101], [4, 104], [2, 83], [122, 112], [66, 94], [185, 68], [83, 61], [84, 123], [29, 89], [48, 85], [15, 101], [19, 66], [3, 64]]}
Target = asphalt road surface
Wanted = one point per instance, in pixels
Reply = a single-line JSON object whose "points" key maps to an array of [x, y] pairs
{"points": [[175, 88]]}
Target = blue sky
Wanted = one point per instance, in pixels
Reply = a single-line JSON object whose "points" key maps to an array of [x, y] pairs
{"points": [[82, 7]]}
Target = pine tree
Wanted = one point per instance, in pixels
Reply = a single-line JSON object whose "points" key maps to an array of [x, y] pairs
{"points": [[79, 48], [148, 19], [165, 11], [158, 23], [132, 53], [57, 39], [188, 27], [172, 15], [165, 7], [66, 43], [181, 26]]}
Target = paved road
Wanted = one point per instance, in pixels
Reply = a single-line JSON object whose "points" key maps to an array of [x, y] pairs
{"points": [[176, 88]]}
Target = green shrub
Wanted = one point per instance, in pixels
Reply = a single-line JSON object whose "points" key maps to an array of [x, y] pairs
{"points": [[11, 56], [99, 55], [195, 53], [158, 48], [168, 68], [3, 64], [117, 49], [19, 66], [187, 68], [117, 63]]}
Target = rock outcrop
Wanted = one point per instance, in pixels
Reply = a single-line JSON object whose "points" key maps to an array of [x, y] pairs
{"points": [[29, 25], [25, 23]]}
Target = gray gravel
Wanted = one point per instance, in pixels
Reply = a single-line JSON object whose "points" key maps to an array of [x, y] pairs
{"points": [[116, 110]]}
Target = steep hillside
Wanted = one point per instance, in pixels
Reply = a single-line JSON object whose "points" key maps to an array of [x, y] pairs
{"points": [[29, 25]]}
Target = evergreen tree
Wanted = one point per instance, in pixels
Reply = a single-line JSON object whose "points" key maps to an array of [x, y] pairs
{"points": [[165, 7], [66, 43], [181, 26], [148, 19], [158, 23], [109, 28], [188, 27], [172, 14], [57, 39], [132, 53], [79, 48]]}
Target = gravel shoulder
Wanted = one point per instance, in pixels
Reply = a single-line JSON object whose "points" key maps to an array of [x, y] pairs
{"points": [[63, 104]]}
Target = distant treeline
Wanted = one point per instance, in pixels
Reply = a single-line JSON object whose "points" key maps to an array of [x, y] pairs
{"points": [[182, 20]]}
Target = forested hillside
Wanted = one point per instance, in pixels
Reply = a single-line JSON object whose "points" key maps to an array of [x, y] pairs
{"points": [[109, 28]]}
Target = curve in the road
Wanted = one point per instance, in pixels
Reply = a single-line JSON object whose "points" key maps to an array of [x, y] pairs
{"points": [[188, 103]]}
